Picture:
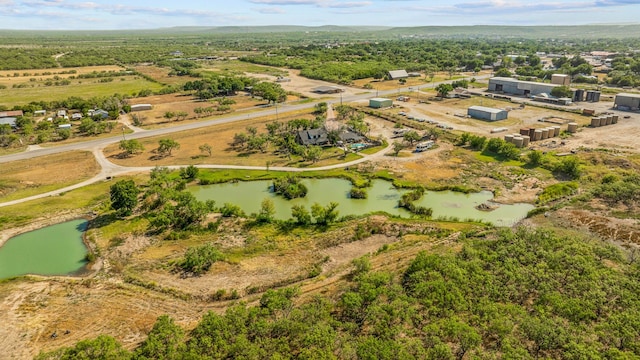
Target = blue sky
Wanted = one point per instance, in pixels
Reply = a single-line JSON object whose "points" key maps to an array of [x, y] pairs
{"points": [[145, 14]]}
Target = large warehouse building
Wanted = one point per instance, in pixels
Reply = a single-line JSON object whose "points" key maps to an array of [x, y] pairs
{"points": [[517, 87], [487, 113], [625, 101]]}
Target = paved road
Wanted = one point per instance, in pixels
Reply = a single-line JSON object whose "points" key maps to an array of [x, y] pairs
{"points": [[102, 142]]}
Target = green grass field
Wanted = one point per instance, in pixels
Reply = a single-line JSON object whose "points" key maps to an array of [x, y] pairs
{"points": [[83, 88]]}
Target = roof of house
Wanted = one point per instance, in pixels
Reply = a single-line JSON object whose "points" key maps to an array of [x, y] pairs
{"points": [[313, 136], [380, 99], [398, 74], [350, 136], [13, 113], [486, 109], [8, 121]]}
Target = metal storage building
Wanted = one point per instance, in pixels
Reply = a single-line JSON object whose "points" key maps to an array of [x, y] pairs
{"points": [[398, 74], [487, 113], [626, 101], [561, 79], [378, 103], [517, 87], [141, 107]]}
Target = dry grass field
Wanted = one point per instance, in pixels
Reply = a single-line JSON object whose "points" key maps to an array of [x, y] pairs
{"points": [[219, 137], [24, 178], [187, 103]]}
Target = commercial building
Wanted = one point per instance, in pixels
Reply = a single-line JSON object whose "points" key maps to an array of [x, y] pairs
{"points": [[378, 103], [517, 87], [626, 101], [487, 113]]}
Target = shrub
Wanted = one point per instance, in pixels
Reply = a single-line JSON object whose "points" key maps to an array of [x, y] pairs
{"points": [[231, 210], [357, 193], [197, 260]]}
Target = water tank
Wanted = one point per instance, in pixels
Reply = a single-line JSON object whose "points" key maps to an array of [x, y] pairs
{"points": [[556, 130], [508, 138], [572, 127], [537, 135], [524, 131], [596, 96], [518, 141], [590, 95], [609, 119], [615, 119], [525, 140], [595, 121], [545, 133], [531, 132], [578, 95]]}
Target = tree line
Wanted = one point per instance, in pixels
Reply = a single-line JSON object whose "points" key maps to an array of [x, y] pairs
{"points": [[525, 294]]}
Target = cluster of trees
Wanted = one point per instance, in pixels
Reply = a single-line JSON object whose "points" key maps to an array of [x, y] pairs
{"points": [[494, 146], [626, 71], [616, 189], [282, 135], [290, 187], [524, 294]]}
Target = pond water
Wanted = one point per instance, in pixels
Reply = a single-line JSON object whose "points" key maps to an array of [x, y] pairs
{"points": [[53, 250], [382, 196]]}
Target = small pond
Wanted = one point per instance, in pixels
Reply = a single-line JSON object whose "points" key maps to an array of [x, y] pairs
{"points": [[53, 250], [382, 196]]}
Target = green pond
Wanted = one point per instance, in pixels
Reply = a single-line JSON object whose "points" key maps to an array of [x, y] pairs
{"points": [[53, 250], [382, 196]]}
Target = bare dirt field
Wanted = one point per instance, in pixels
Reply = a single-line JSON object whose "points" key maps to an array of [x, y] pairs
{"points": [[452, 112]]}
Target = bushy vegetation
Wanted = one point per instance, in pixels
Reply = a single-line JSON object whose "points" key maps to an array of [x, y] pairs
{"points": [[557, 191], [524, 294], [290, 187], [358, 193], [198, 259], [495, 147], [407, 201], [615, 189]]}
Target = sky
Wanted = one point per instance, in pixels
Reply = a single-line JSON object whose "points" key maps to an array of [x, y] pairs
{"points": [[151, 14]]}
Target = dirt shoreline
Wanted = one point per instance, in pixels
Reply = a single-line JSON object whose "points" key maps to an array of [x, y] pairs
{"points": [[40, 223]]}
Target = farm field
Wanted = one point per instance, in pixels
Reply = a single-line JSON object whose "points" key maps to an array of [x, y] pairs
{"points": [[127, 85]]}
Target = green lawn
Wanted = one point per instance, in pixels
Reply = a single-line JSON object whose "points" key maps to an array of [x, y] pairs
{"points": [[83, 88]]}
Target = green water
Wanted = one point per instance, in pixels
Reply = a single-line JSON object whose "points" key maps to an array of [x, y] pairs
{"points": [[382, 196], [53, 250]]}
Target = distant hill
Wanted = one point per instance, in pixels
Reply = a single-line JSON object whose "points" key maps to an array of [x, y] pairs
{"points": [[371, 32]]}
